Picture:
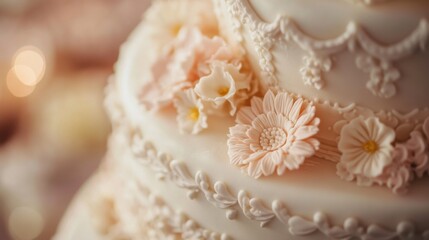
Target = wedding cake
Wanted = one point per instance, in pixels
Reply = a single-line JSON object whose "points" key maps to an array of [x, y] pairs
{"points": [[280, 119]]}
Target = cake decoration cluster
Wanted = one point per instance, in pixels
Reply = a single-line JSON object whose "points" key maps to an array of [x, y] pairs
{"points": [[370, 154], [200, 74], [273, 134]]}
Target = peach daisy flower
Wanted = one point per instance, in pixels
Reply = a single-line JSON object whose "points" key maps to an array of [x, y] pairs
{"points": [[273, 134]]}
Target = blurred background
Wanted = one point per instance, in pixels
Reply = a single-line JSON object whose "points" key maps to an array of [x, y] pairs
{"points": [[55, 57]]}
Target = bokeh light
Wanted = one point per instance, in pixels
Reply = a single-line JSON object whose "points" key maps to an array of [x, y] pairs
{"points": [[25, 74], [25, 223], [29, 59], [16, 87]]}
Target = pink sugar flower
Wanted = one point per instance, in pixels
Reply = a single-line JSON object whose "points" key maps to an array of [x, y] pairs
{"points": [[273, 134]]}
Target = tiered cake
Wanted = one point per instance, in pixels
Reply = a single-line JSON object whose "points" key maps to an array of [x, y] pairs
{"points": [[280, 119]]}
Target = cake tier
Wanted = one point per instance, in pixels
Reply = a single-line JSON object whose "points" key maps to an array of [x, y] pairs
{"points": [[113, 205], [192, 174], [311, 202], [334, 50]]}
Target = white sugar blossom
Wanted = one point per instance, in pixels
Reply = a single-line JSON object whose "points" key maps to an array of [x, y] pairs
{"points": [[222, 85], [366, 146], [190, 109]]}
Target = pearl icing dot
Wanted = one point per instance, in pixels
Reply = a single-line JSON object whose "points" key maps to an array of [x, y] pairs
{"points": [[272, 138]]}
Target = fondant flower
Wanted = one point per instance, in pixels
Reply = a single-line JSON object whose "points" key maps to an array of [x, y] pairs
{"points": [[366, 146], [223, 84], [191, 116], [188, 57], [184, 62], [273, 134], [399, 174], [418, 145], [171, 72]]}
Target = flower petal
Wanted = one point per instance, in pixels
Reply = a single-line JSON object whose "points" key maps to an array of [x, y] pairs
{"points": [[268, 102], [301, 148], [307, 116], [305, 132], [255, 157], [257, 106], [276, 156], [283, 103], [292, 162], [281, 169], [296, 110], [245, 116], [267, 165], [254, 169], [238, 150]]}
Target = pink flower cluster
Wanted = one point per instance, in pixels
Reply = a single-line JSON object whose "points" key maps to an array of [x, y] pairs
{"points": [[198, 75], [407, 160], [273, 134]]}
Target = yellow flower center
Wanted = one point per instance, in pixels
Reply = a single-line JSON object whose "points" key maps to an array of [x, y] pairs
{"points": [[223, 91], [194, 114], [370, 146], [176, 28]]}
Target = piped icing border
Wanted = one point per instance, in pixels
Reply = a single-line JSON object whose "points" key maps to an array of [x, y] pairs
{"points": [[376, 59], [256, 209], [112, 213]]}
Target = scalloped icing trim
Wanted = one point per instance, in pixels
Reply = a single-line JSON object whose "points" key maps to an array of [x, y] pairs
{"points": [[376, 60]]}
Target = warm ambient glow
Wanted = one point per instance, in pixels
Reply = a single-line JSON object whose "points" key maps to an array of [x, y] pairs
{"points": [[29, 65], [16, 87], [25, 223]]}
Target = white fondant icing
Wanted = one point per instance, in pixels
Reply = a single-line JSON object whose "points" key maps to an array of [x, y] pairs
{"points": [[278, 67]]}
